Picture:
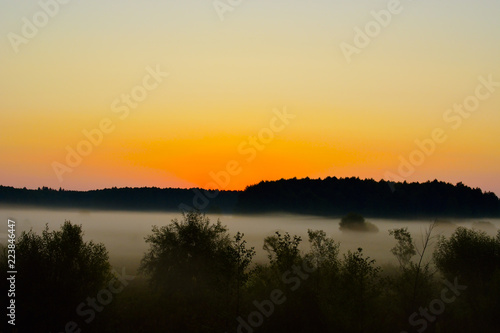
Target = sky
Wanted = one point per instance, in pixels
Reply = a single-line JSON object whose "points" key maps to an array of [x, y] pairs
{"points": [[224, 94]]}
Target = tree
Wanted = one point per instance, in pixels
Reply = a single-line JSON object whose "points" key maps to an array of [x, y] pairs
{"points": [[189, 253], [414, 283], [56, 272], [324, 250], [419, 272], [283, 250], [356, 222], [470, 254], [242, 259], [405, 249], [351, 218], [194, 263], [359, 279], [323, 285], [472, 259]]}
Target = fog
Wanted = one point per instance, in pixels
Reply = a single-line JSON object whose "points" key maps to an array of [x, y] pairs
{"points": [[123, 232]]}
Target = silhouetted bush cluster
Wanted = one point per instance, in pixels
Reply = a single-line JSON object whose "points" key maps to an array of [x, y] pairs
{"points": [[356, 222], [197, 278], [56, 272]]}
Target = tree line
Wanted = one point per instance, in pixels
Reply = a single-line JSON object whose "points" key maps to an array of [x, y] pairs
{"points": [[327, 197]]}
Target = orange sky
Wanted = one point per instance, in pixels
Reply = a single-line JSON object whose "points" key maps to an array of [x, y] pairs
{"points": [[227, 79]]}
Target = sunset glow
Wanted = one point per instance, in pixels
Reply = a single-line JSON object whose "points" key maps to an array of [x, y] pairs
{"points": [[171, 94]]}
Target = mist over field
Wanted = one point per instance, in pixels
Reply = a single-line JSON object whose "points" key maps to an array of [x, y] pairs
{"points": [[123, 233], [192, 272]]}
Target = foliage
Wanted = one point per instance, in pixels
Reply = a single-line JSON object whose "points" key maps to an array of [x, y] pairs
{"points": [[473, 258], [414, 284], [356, 222], [283, 250], [324, 251], [405, 249], [204, 280], [330, 196], [194, 263], [335, 196], [352, 218], [470, 254], [359, 269], [359, 280], [192, 253], [242, 257], [57, 271]]}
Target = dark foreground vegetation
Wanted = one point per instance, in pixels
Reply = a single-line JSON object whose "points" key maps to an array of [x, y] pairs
{"points": [[195, 277], [327, 197]]}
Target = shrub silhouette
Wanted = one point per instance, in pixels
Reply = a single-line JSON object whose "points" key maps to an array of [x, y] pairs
{"points": [[201, 282], [283, 250], [414, 283], [470, 254], [193, 264], [473, 258], [356, 222], [56, 271], [359, 278]]}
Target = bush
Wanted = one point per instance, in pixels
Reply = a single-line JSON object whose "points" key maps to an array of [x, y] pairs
{"points": [[56, 272], [283, 250], [470, 254], [356, 222], [473, 258], [193, 266]]}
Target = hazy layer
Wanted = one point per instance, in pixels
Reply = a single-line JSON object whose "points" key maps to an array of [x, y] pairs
{"points": [[123, 232]]}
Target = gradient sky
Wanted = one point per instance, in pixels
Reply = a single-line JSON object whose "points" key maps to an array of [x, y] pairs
{"points": [[226, 78]]}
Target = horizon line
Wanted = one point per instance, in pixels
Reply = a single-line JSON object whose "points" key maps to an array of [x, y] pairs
{"points": [[241, 190]]}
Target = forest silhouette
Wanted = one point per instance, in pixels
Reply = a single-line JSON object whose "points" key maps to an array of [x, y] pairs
{"points": [[326, 197]]}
